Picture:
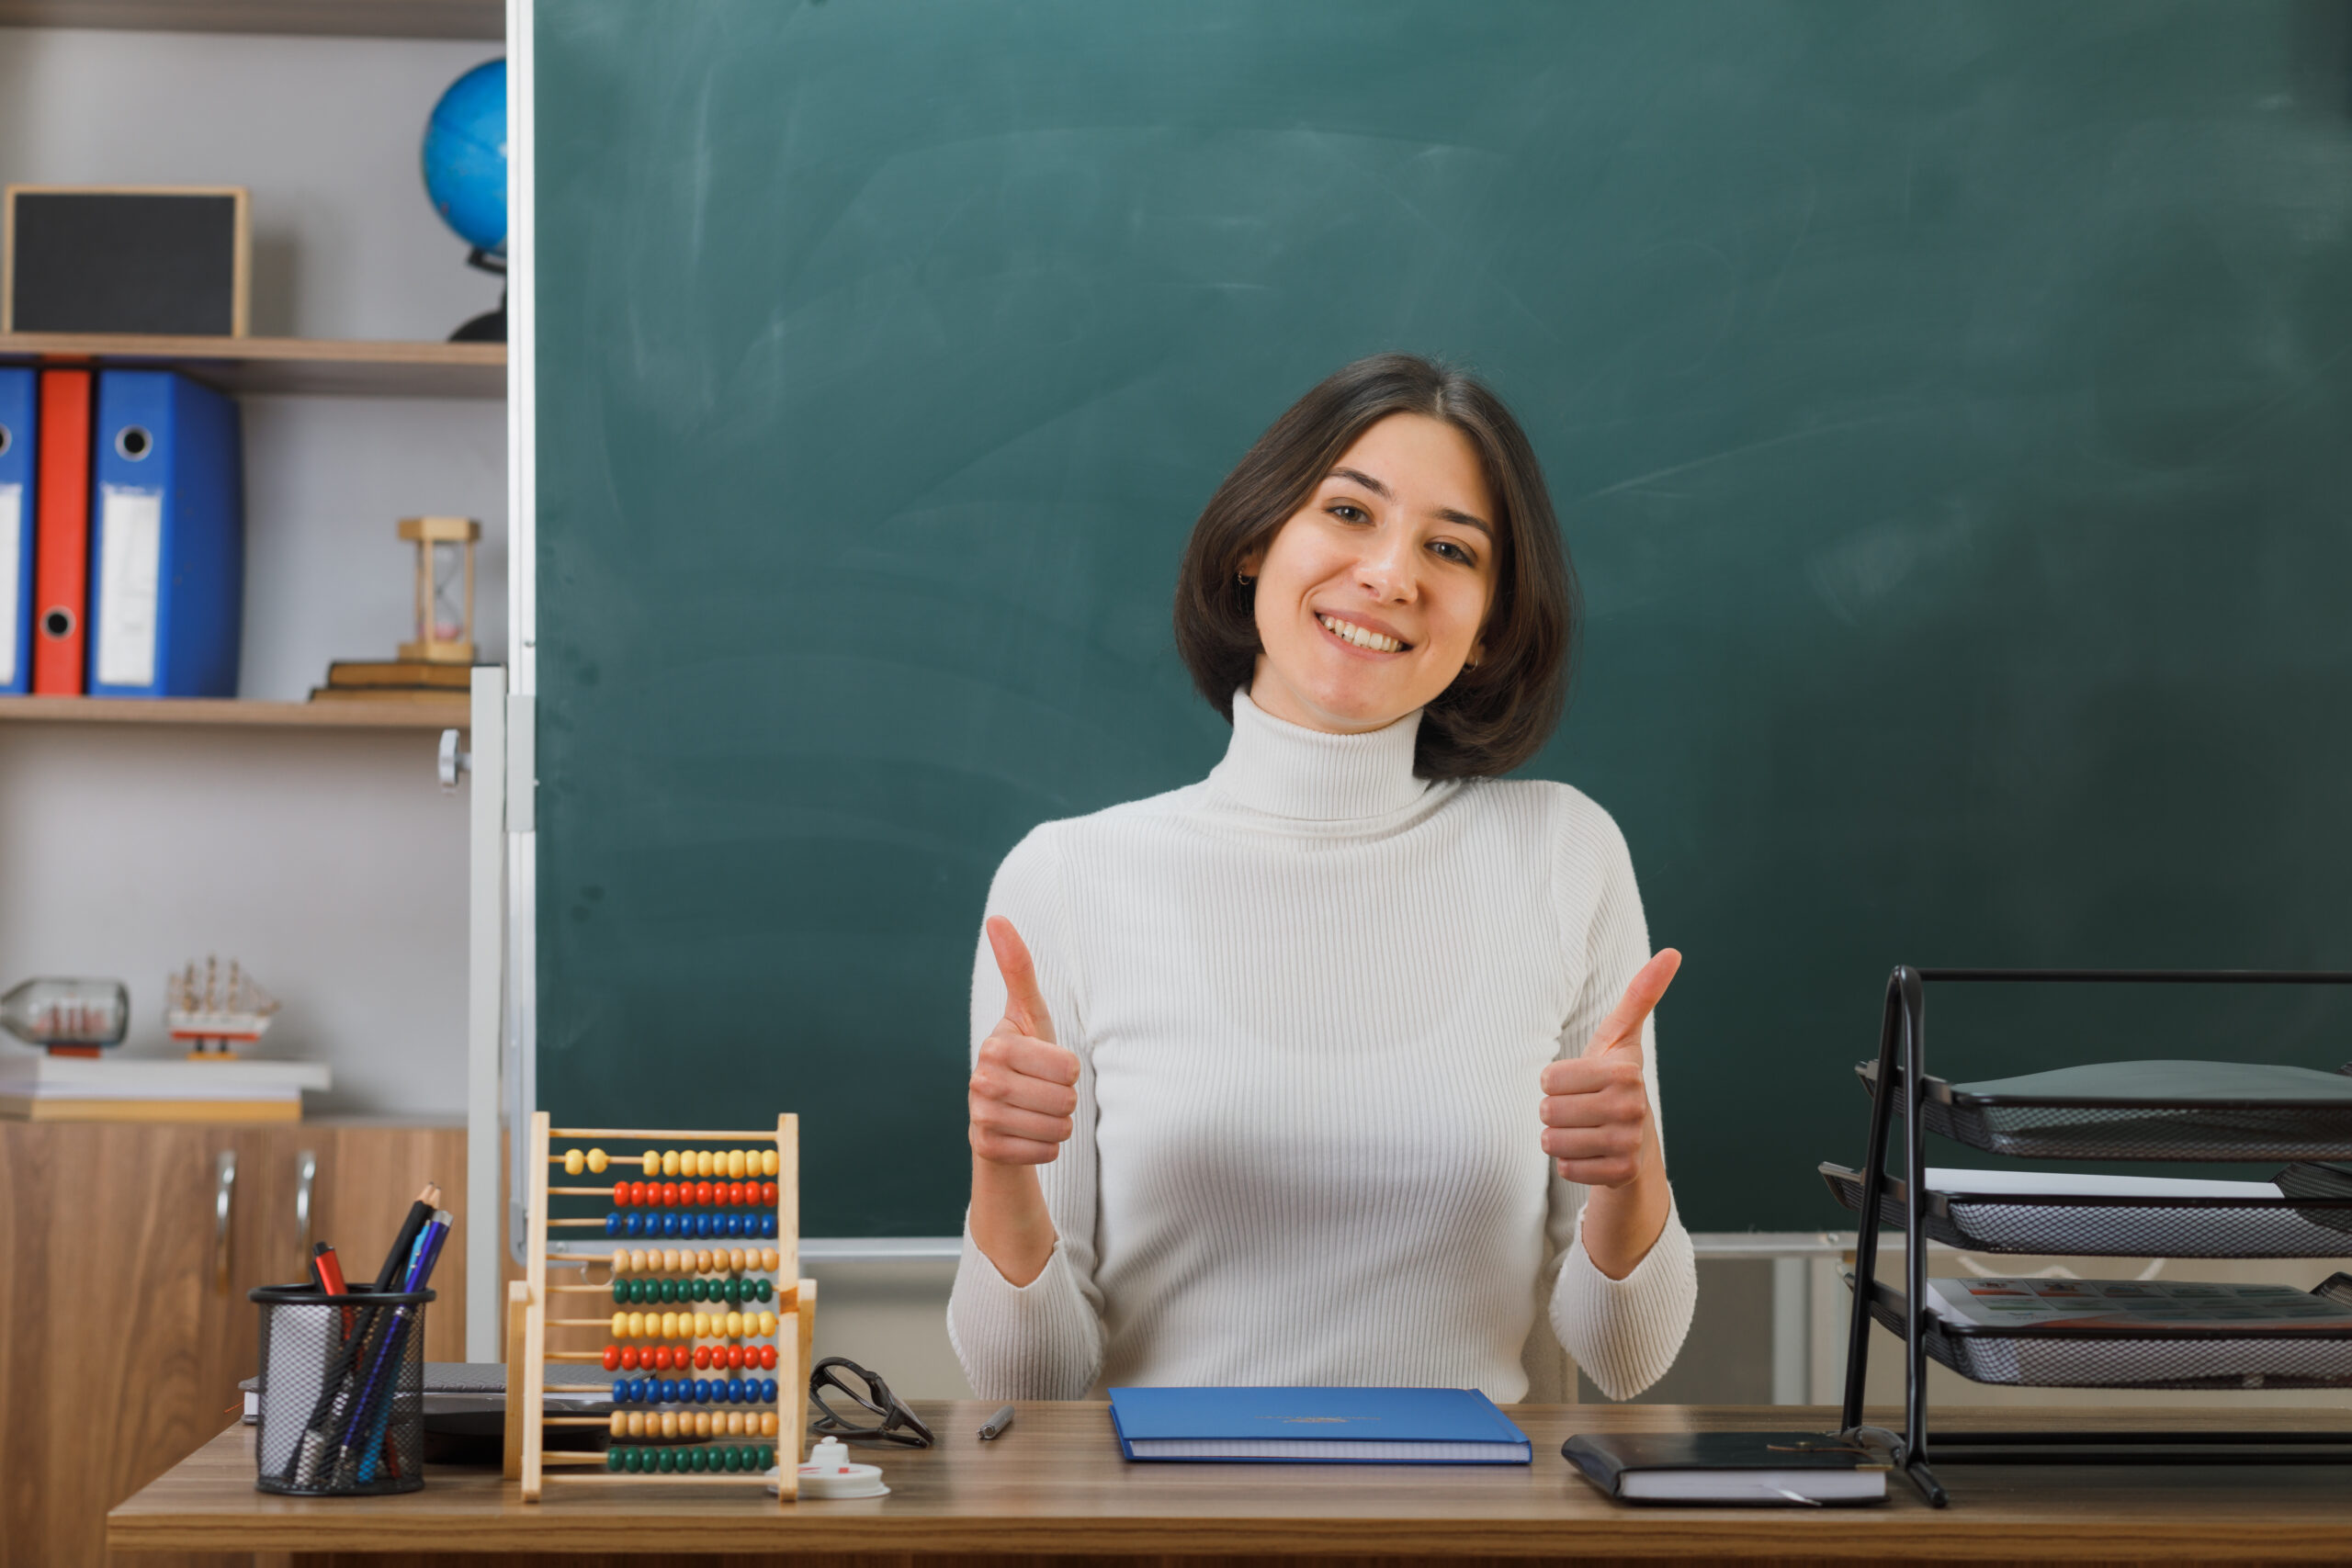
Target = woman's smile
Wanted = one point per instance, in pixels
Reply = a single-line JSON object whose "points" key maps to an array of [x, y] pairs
{"points": [[1359, 636]]}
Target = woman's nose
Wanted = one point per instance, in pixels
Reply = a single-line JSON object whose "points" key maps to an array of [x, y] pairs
{"points": [[1386, 569]]}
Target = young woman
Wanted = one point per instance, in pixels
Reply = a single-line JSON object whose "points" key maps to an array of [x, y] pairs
{"points": [[1335, 1067]]}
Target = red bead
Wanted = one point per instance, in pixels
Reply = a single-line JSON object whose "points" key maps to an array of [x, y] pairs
{"points": [[629, 1358], [767, 1358], [701, 1358], [670, 1194], [661, 1359], [612, 1358], [739, 1193], [702, 1194], [767, 1194], [735, 1357], [636, 1193]]}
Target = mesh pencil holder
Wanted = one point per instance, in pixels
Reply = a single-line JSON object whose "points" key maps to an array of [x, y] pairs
{"points": [[341, 1391]]}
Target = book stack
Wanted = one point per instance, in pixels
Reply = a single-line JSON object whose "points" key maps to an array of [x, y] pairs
{"points": [[40, 1087], [393, 680]]}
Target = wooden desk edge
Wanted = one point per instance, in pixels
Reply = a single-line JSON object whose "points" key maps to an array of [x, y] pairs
{"points": [[237, 1520]]}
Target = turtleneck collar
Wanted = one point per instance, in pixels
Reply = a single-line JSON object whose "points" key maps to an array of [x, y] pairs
{"points": [[1276, 767]]}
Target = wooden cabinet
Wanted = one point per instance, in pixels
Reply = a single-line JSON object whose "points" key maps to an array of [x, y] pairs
{"points": [[124, 1326]]}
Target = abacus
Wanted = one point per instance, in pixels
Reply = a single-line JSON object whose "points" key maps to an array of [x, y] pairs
{"points": [[709, 1322]]}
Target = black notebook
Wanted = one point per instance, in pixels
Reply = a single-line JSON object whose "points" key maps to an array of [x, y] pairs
{"points": [[1806, 1469]]}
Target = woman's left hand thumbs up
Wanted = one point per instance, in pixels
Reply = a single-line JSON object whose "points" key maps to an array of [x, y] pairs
{"points": [[1596, 1109]]}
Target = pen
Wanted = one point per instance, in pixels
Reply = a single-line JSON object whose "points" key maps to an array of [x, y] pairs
{"points": [[997, 1425], [330, 1271]]}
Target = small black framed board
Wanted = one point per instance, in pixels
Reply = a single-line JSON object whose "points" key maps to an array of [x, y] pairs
{"points": [[167, 259]]}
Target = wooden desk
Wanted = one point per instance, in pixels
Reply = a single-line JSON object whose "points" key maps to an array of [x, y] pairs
{"points": [[1056, 1485]]}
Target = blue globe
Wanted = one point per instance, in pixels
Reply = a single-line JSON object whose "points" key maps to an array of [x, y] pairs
{"points": [[465, 157]]}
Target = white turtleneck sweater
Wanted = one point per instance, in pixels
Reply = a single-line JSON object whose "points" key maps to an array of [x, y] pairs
{"points": [[1312, 997]]}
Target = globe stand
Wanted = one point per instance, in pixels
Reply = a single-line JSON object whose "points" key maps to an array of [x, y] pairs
{"points": [[491, 325]]}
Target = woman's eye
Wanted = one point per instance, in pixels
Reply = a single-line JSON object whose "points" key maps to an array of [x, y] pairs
{"points": [[1347, 512], [1453, 552]]}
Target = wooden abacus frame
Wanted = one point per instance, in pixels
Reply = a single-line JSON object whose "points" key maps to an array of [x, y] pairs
{"points": [[527, 1319]]}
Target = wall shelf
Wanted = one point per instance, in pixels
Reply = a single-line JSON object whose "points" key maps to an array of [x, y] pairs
{"points": [[351, 367], [349, 19], [434, 712]]}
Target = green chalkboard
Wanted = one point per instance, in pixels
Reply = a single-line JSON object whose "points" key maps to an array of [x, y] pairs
{"points": [[1948, 405]]}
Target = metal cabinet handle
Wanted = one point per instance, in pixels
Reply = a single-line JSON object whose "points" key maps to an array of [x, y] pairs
{"points": [[224, 1188], [306, 1176]]}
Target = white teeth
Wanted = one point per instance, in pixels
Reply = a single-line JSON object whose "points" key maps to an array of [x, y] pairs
{"points": [[1363, 636]]}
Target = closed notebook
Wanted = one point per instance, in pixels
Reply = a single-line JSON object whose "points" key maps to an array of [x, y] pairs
{"points": [[167, 540], [1806, 1469], [1316, 1426]]}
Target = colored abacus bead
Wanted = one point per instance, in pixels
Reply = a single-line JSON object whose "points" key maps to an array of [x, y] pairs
{"points": [[574, 1162], [615, 1459], [597, 1162], [612, 1358], [651, 1162]]}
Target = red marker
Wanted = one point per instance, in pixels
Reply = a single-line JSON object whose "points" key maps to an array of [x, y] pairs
{"points": [[328, 1269]]}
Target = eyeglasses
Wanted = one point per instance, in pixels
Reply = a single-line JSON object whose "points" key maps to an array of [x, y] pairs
{"points": [[896, 1423]]}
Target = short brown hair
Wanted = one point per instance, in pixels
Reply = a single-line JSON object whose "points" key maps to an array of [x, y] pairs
{"points": [[1497, 713]]}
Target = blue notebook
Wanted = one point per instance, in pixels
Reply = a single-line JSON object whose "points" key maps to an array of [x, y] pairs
{"points": [[1316, 1426], [167, 540]]}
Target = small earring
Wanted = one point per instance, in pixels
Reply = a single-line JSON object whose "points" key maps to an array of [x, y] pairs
{"points": [[1244, 578]]}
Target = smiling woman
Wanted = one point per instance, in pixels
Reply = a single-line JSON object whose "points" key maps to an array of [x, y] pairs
{"points": [[1395, 454], [1271, 1101]]}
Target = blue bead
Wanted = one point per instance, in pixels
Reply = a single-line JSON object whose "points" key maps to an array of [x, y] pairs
{"points": [[636, 1225], [613, 1223], [735, 1225], [669, 1224], [767, 1391], [767, 1225], [734, 1391], [705, 1224], [702, 1391], [633, 1391]]}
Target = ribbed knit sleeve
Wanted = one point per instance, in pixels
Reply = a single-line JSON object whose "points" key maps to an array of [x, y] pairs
{"points": [[1623, 1333], [1042, 1340]]}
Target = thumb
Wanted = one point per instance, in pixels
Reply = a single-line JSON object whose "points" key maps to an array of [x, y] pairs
{"points": [[1622, 1028], [1024, 1004]]}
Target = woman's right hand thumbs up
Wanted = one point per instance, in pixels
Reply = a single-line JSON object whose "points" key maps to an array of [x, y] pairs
{"points": [[1023, 1085]]}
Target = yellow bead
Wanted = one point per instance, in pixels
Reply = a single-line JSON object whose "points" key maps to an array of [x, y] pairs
{"points": [[652, 1163], [767, 1323], [637, 1423], [620, 1262], [671, 1262], [704, 1261], [734, 1164], [669, 1162], [597, 1162], [620, 1326], [638, 1261], [574, 1162], [767, 1425], [620, 1423], [734, 1423], [669, 1422], [771, 1259]]}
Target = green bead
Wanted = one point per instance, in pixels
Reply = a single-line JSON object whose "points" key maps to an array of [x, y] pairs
{"points": [[634, 1459], [764, 1287], [613, 1459], [641, 1291], [703, 1288], [668, 1462], [668, 1292]]}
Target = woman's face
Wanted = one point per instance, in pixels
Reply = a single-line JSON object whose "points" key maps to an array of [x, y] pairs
{"points": [[1371, 598]]}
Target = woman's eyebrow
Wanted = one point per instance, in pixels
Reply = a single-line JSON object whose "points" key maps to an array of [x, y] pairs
{"points": [[1464, 518]]}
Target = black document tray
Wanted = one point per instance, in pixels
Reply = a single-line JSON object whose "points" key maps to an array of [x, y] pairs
{"points": [[2162, 1110], [2123, 1225]]}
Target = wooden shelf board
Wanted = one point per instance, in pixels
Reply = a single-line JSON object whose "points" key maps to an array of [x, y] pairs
{"points": [[354, 714], [348, 366], [351, 18]]}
